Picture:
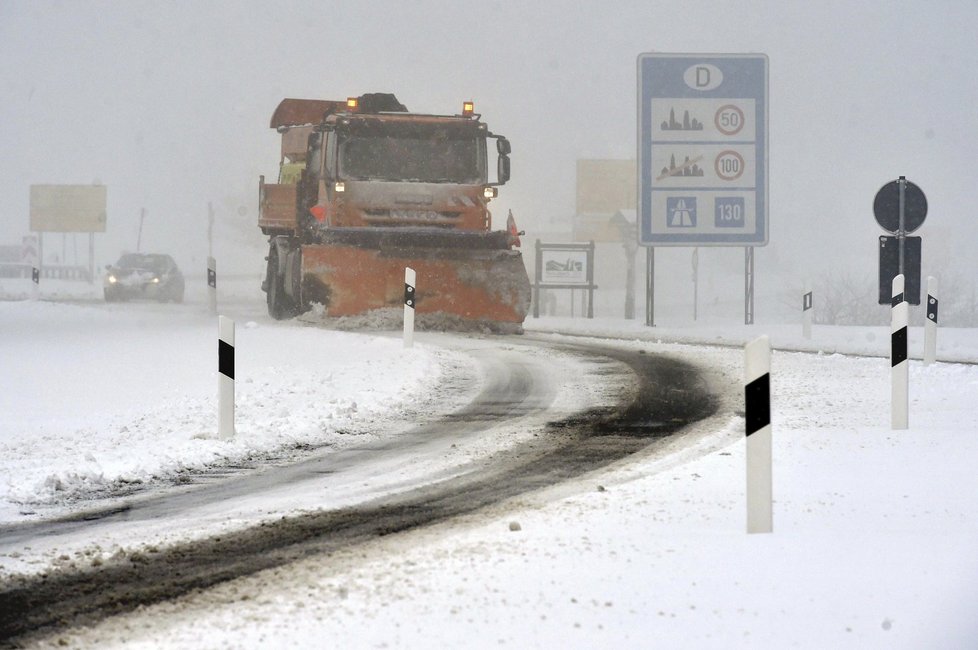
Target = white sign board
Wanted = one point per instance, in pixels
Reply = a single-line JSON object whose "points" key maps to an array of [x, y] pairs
{"points": [[68, 208], [564, 267], [702, 158]]}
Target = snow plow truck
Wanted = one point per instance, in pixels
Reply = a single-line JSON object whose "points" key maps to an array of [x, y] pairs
{"points": [[366, 189]]}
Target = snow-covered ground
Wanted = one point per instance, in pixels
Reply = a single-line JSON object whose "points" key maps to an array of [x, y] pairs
{"points": [[875, 540]]}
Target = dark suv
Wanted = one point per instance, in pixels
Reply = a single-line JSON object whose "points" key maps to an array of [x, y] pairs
{"points": [[144, 275]]}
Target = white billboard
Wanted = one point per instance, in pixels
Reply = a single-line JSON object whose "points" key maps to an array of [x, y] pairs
{"points": [[564, 267], [68, 208]]}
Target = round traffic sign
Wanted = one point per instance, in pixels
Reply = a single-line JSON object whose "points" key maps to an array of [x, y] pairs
{"points": [[886, 207], [729, 119], [729, 165]]}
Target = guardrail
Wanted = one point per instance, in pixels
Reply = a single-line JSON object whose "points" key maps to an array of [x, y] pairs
{"points": [[49, 272]]}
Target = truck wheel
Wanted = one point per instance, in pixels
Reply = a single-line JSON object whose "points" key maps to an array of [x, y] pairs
{"points": [[280, 304]]}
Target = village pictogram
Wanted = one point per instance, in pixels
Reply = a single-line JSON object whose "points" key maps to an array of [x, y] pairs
{"points": [[688, 123], [687, 168]]}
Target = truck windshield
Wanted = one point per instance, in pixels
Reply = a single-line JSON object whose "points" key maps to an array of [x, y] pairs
{"points": [[435, 156]]}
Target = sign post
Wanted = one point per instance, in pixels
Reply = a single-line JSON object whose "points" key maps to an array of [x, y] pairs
{"points": [[29, 256], [757, 410], [807, 304], [930, 325], [68, 208], [225, 378], [702, 125], [564, 266], [899, 364], [212, 284], [900, 207], [702, 153], [410, 302]]}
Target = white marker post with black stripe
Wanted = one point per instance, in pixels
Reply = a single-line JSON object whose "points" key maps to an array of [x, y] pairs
{"points": [[212, 284], [36, 280], [225, 378], [410, 298], [757, 409], [899, 366], [930, 325], [806, 314]]}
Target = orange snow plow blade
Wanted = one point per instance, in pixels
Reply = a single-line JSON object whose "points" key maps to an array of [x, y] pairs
{"points": [[457, 288]]}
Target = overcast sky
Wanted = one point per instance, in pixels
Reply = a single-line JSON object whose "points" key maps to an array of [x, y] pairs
{"points": [[168, 103]]}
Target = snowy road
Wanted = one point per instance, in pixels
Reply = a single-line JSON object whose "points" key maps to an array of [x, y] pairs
{"points": [[540, 411]]}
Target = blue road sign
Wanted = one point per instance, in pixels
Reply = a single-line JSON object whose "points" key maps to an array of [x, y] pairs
{"points": [[702, 149]]}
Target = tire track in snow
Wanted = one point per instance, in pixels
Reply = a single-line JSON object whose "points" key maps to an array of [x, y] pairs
{"points": [[669, 394]]}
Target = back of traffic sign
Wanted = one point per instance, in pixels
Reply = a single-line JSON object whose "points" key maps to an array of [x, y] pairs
{"points": [[889, 256], [886, 206]]}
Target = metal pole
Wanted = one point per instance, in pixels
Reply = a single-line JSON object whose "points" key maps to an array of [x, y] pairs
{"points": [[139, 235], [212, 284], [91, 258], [749, 285], [210, 229], [590, 282], [806, 312], [650, 286], [696, 281], [630, 249], [901, 234], [537, 268]]}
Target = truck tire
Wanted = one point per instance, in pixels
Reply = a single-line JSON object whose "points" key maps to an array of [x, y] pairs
{"points": [[280, 304]]}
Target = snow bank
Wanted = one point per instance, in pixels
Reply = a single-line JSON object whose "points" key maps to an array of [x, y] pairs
{"points": [[100, 401]]}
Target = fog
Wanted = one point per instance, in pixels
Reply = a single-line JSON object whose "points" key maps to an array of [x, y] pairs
{"points": [[168, 105]]}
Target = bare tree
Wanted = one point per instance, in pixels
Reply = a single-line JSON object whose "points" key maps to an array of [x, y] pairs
{"points": [[843, 298]]}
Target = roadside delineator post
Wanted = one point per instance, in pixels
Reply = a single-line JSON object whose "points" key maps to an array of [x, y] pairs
{"points": [[212, 284], [757, 408], [36, 279], [899, 366], [225, 378], [930, 325], [806, 313], [410, 298]]}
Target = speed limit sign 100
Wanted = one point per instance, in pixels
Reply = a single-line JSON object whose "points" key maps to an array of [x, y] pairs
{"points": [[729, 165]]}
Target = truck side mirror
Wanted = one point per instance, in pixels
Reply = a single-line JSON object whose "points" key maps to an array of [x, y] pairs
{"points": [[502, 169], [503, 147]]}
